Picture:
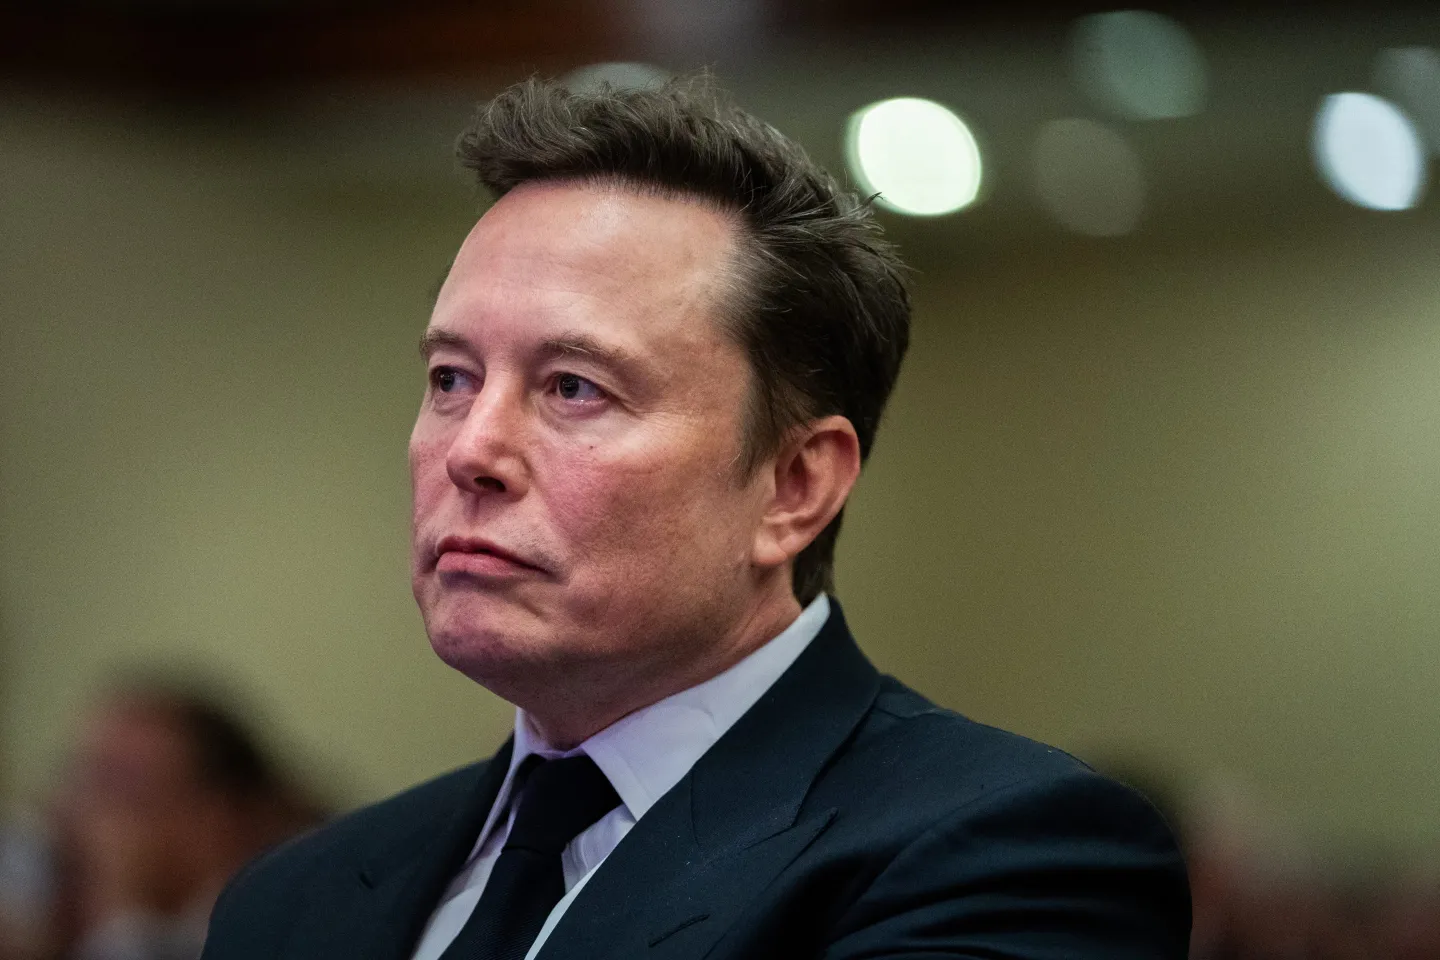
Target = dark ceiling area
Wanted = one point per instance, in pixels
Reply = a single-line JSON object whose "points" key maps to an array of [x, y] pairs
{"points": [[189, 49]]}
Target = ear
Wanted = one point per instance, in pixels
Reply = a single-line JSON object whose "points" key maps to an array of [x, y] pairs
{"points": [[813, 475]]}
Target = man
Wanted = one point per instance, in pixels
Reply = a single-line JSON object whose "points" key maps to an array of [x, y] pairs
{"points": [[653, 373]]}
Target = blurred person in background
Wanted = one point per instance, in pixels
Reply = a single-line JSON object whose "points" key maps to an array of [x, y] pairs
{"points": [[166, 796], [1260, 892], [1409, 924]]}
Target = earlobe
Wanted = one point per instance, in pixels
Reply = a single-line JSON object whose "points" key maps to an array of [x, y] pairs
{"points": [[813, 476]]}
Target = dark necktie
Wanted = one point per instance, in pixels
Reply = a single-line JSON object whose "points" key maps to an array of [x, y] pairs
{"points": [[560, 799]]}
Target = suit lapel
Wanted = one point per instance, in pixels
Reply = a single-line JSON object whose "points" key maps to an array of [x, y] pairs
{"points": [[715, 841], [397, 888]]}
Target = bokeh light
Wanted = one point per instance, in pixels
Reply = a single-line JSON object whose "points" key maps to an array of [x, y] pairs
{"points": [[917, 155], [1410, 76], [1139, 65], [1089, 178], [1369, 152]]}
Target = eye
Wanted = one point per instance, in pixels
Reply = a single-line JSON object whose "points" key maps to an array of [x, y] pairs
{"points": [[577, 389], [445, 379]]}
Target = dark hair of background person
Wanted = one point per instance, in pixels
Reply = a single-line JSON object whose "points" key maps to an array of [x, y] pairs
{"points": [[227, 757], [818, 301]]}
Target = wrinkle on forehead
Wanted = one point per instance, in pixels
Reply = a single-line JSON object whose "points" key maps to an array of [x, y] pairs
{"points": [[619, 239]]}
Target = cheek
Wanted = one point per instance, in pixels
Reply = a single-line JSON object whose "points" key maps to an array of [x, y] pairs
{"points": [[659, 513], [595, 501], [427, 471]]}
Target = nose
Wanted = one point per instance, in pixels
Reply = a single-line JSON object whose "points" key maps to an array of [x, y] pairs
{"points": [[487, 455]]}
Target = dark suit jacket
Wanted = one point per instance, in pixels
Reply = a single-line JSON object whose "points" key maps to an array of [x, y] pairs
{"points": [[843, 816]]}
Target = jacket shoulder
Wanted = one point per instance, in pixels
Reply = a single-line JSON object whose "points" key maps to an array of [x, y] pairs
{"points": [[969, 807], [942, 762], [928, 738]]}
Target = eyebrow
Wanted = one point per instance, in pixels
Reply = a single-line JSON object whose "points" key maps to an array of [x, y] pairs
{"points": [[587, 347], [434, 340], [581, 345]]}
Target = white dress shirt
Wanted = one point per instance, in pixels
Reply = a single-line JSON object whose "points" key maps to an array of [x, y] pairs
{"points": [[643, 755]]}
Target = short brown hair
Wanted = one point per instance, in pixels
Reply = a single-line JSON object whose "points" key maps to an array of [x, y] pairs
{"points": [[822, 310]]}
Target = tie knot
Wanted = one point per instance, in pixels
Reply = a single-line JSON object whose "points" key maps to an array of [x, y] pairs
{"points": [[561, 798]]}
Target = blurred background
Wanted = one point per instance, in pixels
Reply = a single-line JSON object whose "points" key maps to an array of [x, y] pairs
{"points": [[1159, 484]]}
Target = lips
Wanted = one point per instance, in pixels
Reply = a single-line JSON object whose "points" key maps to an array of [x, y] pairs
{"points": [[478, 557]]}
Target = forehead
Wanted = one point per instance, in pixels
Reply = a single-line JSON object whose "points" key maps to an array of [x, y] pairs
{"points": [[600, 251], [130, 731]]}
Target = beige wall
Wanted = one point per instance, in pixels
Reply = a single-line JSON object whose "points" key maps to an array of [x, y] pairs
{"points": [[209, 376], [1183, 501], [1175, 498]]}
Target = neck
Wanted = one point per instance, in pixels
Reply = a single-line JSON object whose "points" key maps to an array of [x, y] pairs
{"points": [[567, 720]]}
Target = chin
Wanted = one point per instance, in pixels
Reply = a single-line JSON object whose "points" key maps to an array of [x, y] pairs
{"points": [[489, 646], [490, 659]]}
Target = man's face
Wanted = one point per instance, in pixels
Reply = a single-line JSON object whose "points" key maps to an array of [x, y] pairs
{"points": [[132, 814], [577, 509]]}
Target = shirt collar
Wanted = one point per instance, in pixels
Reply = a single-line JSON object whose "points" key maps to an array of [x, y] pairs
{"points": [[647, 752]]}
